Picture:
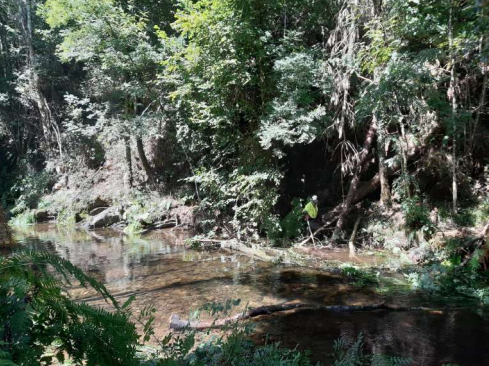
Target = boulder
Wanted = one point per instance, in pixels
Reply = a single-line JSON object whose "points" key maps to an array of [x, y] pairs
{"points": [[97, 203], [105, 218], [41, 215]]}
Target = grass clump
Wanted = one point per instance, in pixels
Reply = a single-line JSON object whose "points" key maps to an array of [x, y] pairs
{"points": [[358, 276]]}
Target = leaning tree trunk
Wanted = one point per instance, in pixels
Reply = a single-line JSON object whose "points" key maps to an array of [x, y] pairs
{"points": [[353, 237], [362, 161], [365, 188]]}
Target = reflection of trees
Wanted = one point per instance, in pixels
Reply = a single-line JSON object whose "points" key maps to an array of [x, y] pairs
{"points": [[107, 255]]}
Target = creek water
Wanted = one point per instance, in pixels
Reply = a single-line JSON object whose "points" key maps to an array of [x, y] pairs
{"points": [[160, 270]]}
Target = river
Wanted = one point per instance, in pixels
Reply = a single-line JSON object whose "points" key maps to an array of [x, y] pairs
{"points": [[160, 270]]}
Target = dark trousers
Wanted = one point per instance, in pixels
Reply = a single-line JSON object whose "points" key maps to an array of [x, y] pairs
{"points": [[314, 225]]}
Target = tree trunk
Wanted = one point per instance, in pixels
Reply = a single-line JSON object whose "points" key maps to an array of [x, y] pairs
{"points": [[482, 102], [385, 192], [49, 126], [452, 95], [365, 188], [353, 237], [362, 160], [142, 155], [127, 145]]}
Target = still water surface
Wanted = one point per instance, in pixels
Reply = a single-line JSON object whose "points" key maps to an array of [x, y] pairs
{"points": [[161, 271]]}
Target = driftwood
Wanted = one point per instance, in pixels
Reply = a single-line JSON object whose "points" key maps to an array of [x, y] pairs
{"points": [[179, 324], [166, 224]]}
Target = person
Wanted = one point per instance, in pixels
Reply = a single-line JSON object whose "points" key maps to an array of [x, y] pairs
{"points": [[311, 213]]}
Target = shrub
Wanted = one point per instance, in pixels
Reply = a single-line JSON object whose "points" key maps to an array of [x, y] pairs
{"points": [[359, 276], [417, 218], [30, 189]]}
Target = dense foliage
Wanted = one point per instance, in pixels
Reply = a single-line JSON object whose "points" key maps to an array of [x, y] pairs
{"points": [[252, 103], [245, 107]]}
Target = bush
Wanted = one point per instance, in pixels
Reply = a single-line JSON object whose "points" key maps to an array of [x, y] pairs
{"points": [[417, 218], [359, 276], [30, 189], [242, 199], [290, 227]]}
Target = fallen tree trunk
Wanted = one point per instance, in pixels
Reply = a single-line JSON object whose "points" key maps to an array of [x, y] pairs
{"points": [[234, 245], [180, 324]]}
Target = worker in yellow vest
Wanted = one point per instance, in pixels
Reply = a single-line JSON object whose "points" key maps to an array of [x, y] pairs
{"points": [[311, 213]]}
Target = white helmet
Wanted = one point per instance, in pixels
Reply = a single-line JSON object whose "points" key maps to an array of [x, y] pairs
{"points": [[315, 198]]}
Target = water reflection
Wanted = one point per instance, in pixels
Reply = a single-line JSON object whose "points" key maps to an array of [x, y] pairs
{"points": [[160, 271]]}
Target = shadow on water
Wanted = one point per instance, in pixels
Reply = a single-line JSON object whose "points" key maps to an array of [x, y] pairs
{"points": [[427, 338], [161, 271]]}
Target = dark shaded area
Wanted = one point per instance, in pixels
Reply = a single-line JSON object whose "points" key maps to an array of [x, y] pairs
{"points": [[429, 339]]}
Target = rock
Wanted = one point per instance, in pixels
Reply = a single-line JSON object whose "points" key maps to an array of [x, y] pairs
{"points": [[97, 210], [98, 202], [105, 218], [78, 218], [41, 216]]}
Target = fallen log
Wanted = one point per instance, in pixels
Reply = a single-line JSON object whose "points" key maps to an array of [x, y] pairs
{"points": [[234, 245], [177, 323]]}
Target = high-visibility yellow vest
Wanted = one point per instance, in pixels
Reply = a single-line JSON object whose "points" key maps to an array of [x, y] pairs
{"points": [[311, 209]]}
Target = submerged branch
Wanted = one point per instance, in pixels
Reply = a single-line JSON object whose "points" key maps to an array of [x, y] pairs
{"points": [[180, 324]]}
